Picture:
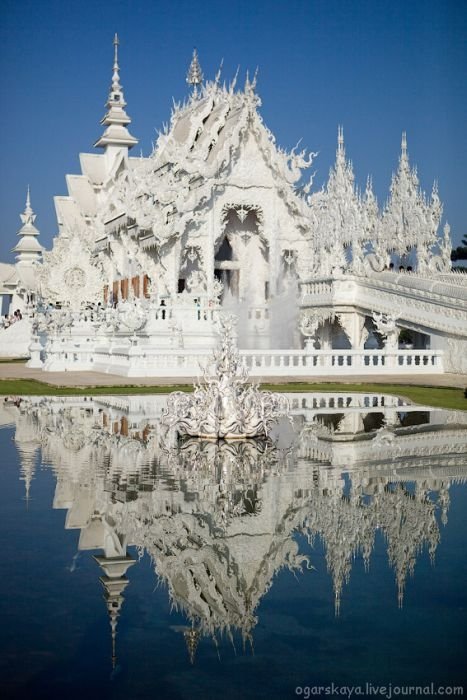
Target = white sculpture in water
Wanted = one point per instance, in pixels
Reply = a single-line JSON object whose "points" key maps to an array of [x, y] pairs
{"points": [[225, 405]]}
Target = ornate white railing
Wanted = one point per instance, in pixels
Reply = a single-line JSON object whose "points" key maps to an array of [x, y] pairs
{"points": [[321, 289], [146, 361], [341, 361]]}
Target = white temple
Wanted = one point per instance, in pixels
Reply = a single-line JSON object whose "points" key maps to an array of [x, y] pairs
{"points": [[150, 248]]}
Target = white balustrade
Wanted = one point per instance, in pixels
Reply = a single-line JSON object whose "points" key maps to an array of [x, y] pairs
{"points": [[123, 357]]}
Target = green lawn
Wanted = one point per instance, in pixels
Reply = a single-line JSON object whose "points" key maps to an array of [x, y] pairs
{"points": [[15, 360], [430, 396]]}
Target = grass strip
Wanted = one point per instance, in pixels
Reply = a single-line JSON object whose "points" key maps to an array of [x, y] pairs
{"points": [[438, 397], [13, 360]]}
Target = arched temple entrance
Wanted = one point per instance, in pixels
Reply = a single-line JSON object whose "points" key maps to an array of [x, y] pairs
{"points": [[241, 260]]}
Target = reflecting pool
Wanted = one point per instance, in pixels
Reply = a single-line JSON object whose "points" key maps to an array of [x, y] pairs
{"points": [[135, 565]]}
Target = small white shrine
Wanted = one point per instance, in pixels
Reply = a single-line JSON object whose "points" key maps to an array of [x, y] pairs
{"points": [[218, 216], [18, 288]]}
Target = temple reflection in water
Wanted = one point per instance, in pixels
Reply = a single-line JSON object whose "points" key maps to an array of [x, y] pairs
{"points": [[219, 519]]}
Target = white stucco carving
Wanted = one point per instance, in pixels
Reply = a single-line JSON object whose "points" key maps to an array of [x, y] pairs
{"points": [[68, 276]]}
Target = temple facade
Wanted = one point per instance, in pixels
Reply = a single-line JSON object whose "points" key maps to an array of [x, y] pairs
{"points": [[219, 216]]}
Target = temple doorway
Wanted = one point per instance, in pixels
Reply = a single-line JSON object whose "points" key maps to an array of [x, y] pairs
{"points": [[241, 260]]}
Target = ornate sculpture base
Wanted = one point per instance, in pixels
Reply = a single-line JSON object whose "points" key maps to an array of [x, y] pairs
{"points": [[224, 405]]}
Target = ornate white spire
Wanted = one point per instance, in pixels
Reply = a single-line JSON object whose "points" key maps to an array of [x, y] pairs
{"points": [[338, 212], [28, 248], [116, 118], [408, 219], [195, 74]]}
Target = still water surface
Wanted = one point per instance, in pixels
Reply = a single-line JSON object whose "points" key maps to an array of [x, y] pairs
{"points": [[133, 567]]}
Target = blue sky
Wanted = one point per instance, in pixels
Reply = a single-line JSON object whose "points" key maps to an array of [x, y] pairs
{"points": [[376, 67]]}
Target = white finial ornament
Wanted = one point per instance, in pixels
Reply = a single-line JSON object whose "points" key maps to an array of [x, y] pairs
{"points": [[255, 79], [340, 137], [116, 76], [195, 74], [340, 154], [28, 216], [404, 145], [28, 199]]}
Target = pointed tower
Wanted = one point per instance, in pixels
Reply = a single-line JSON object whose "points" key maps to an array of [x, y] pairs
{"points": [[339, 216], [409, 221], [195, 74], [114, 583], [28, 249], [116, 119]]}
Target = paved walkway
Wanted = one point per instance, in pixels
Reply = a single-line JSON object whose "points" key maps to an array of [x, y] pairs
{"points": [[17, 370]]}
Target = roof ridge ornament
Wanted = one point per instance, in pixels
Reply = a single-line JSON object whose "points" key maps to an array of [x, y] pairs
{"points": [[255, 79], [195, 74], [218, 74]]}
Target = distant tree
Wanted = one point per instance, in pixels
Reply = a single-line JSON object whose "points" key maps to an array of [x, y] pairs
{"points": [[460, 253]]}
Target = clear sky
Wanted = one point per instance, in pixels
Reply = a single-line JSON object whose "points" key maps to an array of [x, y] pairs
{"points": [[376, 67]]}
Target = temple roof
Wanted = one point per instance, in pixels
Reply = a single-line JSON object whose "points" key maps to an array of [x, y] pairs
{"points": [[206, 131], [217, 138]]}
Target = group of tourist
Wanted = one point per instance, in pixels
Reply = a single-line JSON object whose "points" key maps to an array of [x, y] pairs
{"points": [[402, 268], [9, 320]]}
